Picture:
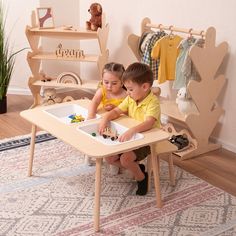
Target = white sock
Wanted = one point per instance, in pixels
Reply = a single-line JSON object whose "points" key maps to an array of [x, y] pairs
{"points": [[113, 170]]}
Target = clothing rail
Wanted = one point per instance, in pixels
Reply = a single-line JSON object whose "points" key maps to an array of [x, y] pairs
{"points": [[172, 28]]}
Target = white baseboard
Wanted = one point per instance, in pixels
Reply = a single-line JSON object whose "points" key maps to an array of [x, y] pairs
{"points": [[228, 146], [19, 91]]}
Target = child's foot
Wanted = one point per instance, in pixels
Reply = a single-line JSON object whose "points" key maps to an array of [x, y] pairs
{"points": [[143, 185], [114, 170]]}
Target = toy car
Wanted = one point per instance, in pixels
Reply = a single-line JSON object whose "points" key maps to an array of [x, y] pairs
{"points": [[109, 133]]}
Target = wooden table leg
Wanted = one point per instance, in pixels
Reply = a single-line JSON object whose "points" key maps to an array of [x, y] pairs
{"points": [[97, 194], [171, 170], [32, 145], [156, 175]]}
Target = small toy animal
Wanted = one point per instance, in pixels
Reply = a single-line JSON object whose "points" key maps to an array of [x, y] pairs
{"points": [[185, 104], [95, 21], [50, 97]]}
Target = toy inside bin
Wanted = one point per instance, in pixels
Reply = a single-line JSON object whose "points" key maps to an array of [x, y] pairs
{"points": [[108, 138], [70, 113]]}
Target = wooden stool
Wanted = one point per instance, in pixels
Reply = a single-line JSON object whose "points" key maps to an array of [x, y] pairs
{"points": [[163, 147]]}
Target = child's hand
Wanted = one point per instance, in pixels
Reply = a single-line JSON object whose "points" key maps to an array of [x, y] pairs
{"points": [[126, 135], [101, 127], [109, 107]]}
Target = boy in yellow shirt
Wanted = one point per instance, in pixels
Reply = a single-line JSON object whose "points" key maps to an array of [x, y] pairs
{"points": [[142, 105]]}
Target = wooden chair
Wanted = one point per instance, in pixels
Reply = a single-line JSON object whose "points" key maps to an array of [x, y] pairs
{"points": [[164, 147]]}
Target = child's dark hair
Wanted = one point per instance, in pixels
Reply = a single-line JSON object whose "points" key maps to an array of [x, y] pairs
{"points": [[114, 68], [138, 73]]}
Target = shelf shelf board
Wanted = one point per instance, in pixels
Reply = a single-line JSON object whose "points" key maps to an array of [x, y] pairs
{"points": [[60, 32], [86, 84], [170, 109], [52, 56]]}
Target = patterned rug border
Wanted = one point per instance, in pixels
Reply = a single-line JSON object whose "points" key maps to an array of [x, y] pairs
{"points": [[21, 141]]}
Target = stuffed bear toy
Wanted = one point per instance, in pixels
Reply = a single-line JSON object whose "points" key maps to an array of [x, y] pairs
{"points": [[50, 97], [96, 17]]}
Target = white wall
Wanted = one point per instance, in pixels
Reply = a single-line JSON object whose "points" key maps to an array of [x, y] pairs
{"points": [[18, 16], [124, 18], [65, 12]]}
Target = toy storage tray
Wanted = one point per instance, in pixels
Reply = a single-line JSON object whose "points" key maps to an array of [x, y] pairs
{"points": [[92, 131], [63, 113]]}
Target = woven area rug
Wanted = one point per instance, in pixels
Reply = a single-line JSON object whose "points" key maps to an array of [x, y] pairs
{"points": [[58, 198]]}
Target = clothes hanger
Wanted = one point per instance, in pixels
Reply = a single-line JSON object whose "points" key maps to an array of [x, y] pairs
{"points": [[190, 33], [160, 27], [191, 39], [202, 34], [171, 35]]}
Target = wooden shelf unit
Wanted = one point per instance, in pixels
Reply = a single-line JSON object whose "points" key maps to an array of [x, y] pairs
{"points": [[37, 55], [204, 93]]}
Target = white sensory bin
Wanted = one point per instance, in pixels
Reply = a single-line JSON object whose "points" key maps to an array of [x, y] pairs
{"points": [[62, 113], [90, 129]]}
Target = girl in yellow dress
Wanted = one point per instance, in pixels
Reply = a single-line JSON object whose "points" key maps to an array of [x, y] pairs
{"points": [[110, 94]]}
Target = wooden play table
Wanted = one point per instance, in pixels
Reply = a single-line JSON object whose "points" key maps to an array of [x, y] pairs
{"points": [[91, 147]]}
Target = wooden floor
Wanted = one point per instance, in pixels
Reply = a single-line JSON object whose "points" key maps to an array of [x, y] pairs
{"points": [[217, 167]]}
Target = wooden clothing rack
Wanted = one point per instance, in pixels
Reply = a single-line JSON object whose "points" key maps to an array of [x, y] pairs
{"points": [[172, 28], [146, 25], [204, 93]]}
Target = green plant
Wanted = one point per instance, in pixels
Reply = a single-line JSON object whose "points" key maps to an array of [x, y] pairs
{"points": [[7, 56]]}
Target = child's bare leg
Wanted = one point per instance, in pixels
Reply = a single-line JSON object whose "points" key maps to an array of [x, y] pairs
{"points": [[128, 161], [114, 160]]}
